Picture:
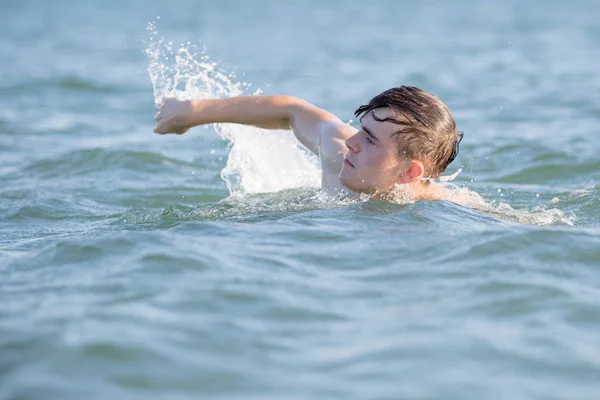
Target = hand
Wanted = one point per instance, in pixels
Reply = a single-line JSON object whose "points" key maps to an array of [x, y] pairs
{"points": [[174, 116]]}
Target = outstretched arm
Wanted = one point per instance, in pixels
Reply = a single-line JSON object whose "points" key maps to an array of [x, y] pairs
{"points": [[308, 122]]}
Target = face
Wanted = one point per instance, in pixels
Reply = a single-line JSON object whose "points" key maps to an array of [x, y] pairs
{"points": [[372, 163]]}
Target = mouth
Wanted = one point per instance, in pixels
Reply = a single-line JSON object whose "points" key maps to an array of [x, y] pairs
{"points": [[348, 162]]}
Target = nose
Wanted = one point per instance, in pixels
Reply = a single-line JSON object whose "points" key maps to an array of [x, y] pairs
{"points": [[352, 144]]}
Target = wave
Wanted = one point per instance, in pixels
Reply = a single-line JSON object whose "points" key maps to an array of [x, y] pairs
{"points": [[69, 83], [80, 162], [551, 171]]}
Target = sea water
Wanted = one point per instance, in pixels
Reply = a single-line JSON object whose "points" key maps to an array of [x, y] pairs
{"points": [[210, 265]]}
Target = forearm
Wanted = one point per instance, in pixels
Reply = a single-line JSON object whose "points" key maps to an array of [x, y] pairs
{"points": [[271, 112], [268, 112]]}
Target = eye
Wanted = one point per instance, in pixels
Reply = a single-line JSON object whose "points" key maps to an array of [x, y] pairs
{"points": [[370, 141]]}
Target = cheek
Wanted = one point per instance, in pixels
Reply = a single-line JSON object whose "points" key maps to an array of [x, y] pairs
{"points": [[383, 160], [373, 156]]}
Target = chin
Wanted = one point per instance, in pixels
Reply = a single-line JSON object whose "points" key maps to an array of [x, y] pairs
{"points": [[347, 183], [356, 186]]}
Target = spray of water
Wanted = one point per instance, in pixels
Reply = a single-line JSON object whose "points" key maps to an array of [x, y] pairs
{"points": [[259, 161]]}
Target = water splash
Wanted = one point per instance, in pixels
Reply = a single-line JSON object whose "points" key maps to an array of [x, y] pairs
{"points": [[540, 215], [259, 161], [186, 71], [450, 178], [443, 178]]}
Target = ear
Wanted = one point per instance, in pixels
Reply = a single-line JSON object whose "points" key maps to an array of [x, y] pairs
{"points": [[413, 173]]}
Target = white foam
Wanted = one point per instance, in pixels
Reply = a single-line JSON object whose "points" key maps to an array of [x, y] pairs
{"points": [[541, 215]]}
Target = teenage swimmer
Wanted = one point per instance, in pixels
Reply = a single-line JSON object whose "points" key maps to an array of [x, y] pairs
{"points": [[407, 138]]}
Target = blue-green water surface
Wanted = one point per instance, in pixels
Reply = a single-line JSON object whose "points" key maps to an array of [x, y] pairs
{"points": [[138, 266]]}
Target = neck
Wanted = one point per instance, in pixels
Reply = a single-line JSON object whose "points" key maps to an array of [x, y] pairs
{"points": [[411, 192]]}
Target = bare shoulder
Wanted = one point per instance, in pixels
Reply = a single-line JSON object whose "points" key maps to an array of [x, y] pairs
{"points": [[335, 129], [332, 147]]}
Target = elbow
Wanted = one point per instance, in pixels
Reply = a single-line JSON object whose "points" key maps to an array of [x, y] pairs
{"points": [[291, 107]]}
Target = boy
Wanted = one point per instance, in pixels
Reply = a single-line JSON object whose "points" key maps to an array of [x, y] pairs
{"points": [[407, 137]]}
